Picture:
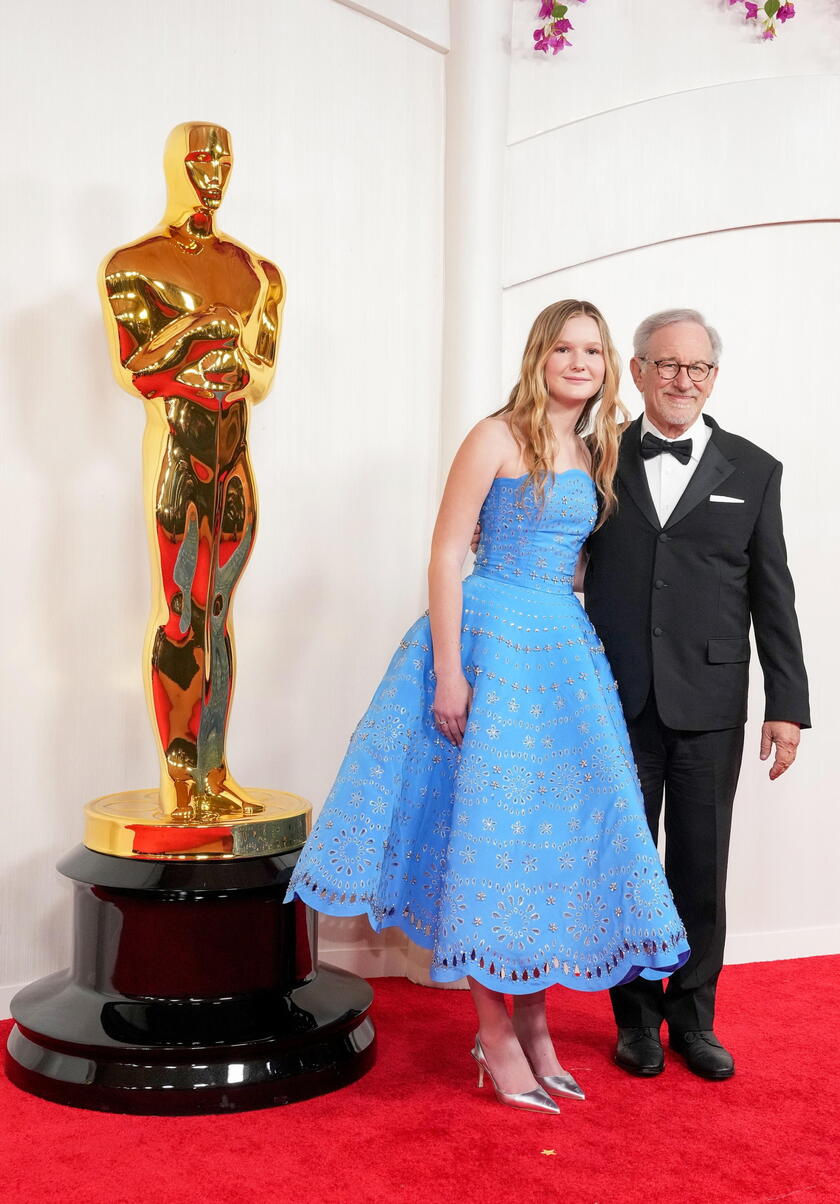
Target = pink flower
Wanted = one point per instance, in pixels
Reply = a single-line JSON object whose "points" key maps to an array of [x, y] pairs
{"points": [[545, 9], [563, 26], [558, 42], [786, 12], [769, 33], [752, 11]]}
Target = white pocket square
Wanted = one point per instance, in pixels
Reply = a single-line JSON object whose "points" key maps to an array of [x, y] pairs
{"points": [[718, 497]]}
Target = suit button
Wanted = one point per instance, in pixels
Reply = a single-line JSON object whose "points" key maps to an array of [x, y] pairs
{"points": [[663, 538], [657, 631], [659, 583]]}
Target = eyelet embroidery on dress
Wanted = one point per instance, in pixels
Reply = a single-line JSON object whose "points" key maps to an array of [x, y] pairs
{"points": [[524, 858]]}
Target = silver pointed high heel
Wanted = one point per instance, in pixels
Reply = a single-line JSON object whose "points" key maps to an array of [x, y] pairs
{"points": [[534, 1101], [560, 1084]]}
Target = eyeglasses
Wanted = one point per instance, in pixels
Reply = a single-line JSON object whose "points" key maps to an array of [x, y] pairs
{"points": [[670, 369]]}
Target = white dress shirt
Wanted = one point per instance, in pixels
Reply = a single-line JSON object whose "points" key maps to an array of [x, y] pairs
{"points": [[666, 476]]}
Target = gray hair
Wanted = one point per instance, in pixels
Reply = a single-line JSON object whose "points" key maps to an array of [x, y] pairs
{"points": [[667, 317]]}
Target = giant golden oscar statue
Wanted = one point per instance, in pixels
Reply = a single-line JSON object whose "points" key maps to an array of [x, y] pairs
{"points": [[194, 987], [194, 320]]}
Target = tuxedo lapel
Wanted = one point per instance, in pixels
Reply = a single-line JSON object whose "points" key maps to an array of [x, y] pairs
{"points": [[712, 470], [631, 469]]}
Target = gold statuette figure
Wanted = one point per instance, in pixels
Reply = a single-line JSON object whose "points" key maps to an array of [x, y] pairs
{"points": [[194, 320]]}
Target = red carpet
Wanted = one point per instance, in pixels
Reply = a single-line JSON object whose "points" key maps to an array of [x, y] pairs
{"points": [[416, 1128]]}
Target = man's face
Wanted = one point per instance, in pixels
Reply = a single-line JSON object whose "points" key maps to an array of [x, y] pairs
{"points": [[674, 405], [208, 162]]}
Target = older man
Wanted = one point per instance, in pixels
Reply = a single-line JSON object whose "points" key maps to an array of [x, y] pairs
{"points": [[693, 553]]}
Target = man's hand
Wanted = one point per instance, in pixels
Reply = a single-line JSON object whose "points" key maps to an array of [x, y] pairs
{"points": [[475, 539], [785, 736]]}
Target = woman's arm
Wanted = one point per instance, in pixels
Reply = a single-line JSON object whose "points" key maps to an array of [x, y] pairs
{"points": [[476, 464]]}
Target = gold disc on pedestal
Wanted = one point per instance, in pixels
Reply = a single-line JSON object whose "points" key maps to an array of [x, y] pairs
{"points": [[133, 824]]}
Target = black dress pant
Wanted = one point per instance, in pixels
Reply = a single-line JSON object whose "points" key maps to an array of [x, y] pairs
{"points": [[697, 772]]}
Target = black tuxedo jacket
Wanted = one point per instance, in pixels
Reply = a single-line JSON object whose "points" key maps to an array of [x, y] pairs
{"points": [[673, 604]]}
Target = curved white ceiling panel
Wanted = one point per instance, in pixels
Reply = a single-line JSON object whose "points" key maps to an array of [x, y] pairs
{"points": [[624, 53], [743, 154]]}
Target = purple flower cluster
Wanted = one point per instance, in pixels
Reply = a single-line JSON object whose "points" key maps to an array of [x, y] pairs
{"points": [[552, 38], [771, 11], [552, 34]]}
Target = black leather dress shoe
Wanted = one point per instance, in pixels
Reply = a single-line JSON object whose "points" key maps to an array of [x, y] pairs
{"points": [[704, 1054], [639, 1051]]}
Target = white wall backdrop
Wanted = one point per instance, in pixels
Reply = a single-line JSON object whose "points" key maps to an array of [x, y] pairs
{"points": [[624, 54], [675, 127], [672, 167]]}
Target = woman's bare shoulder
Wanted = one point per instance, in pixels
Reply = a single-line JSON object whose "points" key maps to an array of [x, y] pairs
{"points": [[494, 434], [494, 426], [489, 437]]}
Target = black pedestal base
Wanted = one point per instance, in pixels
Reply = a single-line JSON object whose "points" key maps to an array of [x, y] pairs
{"points": [[193, 989]]}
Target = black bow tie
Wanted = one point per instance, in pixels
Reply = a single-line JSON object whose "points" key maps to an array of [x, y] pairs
{"points": [[652, 446]]}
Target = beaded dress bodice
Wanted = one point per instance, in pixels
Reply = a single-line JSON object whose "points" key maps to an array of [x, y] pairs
{"points": [[536, 546]]}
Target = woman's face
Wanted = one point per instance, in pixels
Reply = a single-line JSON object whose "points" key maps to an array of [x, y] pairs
{"points": [[575, 368]]}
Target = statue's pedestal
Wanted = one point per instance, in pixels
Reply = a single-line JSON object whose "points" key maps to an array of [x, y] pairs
{"points": [[193, 989]]}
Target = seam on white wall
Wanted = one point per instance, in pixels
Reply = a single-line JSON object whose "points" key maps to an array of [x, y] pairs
{"points": [[782, 945], [382, 961], [741, 948], [369, 961], [662, 242], [395, 25], [7, 994], [649, 100]]}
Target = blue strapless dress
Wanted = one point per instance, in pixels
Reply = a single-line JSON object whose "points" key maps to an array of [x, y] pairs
{"points": [[525, 859]]}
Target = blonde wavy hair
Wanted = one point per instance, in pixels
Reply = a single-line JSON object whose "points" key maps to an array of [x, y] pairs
{"points": [[600, 421]]}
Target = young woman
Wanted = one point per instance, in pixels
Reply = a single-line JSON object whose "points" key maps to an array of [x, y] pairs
{"points": [[488, 803]]}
